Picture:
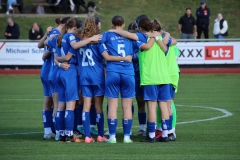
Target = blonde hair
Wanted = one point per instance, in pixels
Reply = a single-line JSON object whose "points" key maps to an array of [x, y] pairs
{"points": [[89, 28]]}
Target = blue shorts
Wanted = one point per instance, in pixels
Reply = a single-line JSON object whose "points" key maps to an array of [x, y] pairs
{"points": [[67, 85], [157, 92], [92, 90], [172, 91], [53, 79], [46, 87], [118, 82], [138, 88]]}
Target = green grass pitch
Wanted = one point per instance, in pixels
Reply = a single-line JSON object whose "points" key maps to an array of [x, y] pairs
{"points": [[21, 127]]}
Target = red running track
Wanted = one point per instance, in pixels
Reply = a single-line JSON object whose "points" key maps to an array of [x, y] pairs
{"points": [[183, 71]]}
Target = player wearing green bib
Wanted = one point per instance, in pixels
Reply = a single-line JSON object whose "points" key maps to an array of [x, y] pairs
{"points": [[154, 76], [174, 75]]}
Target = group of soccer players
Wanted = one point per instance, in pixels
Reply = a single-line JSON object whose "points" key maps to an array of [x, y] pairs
{"points": [[81, 66]]}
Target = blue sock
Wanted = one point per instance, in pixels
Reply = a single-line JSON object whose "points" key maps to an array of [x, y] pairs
{"points": [[100, 124], [127, 125], [170, 122], [61, 121], [47, 118], [112, 126], [86, 123], [69, 122], [151, 129], [52, 122], [93, 115], [76, 117], [79, 121], [142, 118]]}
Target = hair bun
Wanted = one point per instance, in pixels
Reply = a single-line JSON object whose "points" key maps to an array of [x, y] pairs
{"points": [[58, 20]]}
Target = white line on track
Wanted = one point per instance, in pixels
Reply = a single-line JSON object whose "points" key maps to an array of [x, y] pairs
{"points": [[225, 112]]}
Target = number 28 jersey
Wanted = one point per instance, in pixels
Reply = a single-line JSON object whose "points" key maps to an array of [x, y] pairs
{"points": [[118, 46], [90, 64]]}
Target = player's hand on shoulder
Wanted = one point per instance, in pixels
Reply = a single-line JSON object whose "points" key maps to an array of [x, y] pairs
{"points": [[96, 38], [128, 58], [49, 29], [65, 66]]}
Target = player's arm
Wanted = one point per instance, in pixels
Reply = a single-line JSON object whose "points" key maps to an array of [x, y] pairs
{"points": [[77, 45], [46, 55], [174, 41], [41, 41], [64, 65], [148, 45], [65, 58], [49, 39], [107, 57], [125, 34]]}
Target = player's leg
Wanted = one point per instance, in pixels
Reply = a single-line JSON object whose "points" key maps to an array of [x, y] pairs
{"points": [[142, 116], [98, 101], [71, 94], [127, 93], [150, 96], [163, 98], [80, 106], [93, 119], [112, 88], [46, 112]]}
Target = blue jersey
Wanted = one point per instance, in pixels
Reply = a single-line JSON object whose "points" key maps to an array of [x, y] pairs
{"points": [[66, 41], [136, 46], [118, 46], [90, 64], [46, 65]]}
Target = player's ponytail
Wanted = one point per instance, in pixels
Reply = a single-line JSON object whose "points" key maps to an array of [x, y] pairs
{"points": [[117, 20], [145, 24], [72, 22], [59, 40]]}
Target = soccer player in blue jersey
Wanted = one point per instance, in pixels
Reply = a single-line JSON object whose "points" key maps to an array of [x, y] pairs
{"points": [[156, 88], [67, 83], [91, 70], [119, 79], [67, 80], [48, 102], [52, 43], [138, 89]]}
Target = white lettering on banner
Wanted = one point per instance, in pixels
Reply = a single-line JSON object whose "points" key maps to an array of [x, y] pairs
{"points": [[209, 53], [20, 53]]}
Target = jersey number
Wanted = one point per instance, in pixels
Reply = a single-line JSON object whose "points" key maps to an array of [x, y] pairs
{"points": [[87, 54], [121, 50]]}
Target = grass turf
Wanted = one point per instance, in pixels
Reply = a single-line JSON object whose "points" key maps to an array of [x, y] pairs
{"points": [[167, 11], [20, 112]]}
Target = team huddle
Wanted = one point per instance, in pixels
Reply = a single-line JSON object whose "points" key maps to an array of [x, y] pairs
{"points": [[81, 66]]}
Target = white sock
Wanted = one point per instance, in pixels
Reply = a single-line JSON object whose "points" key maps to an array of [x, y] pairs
{"points": [[164, 133], [170, 131], [47, 130], [69, 133], [126, 137], [151, 134], [62, 132], [57, 132], [113, 137], [143, 127]]}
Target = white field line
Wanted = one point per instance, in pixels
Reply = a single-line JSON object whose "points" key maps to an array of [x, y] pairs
{"points": [[225, 112]]}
